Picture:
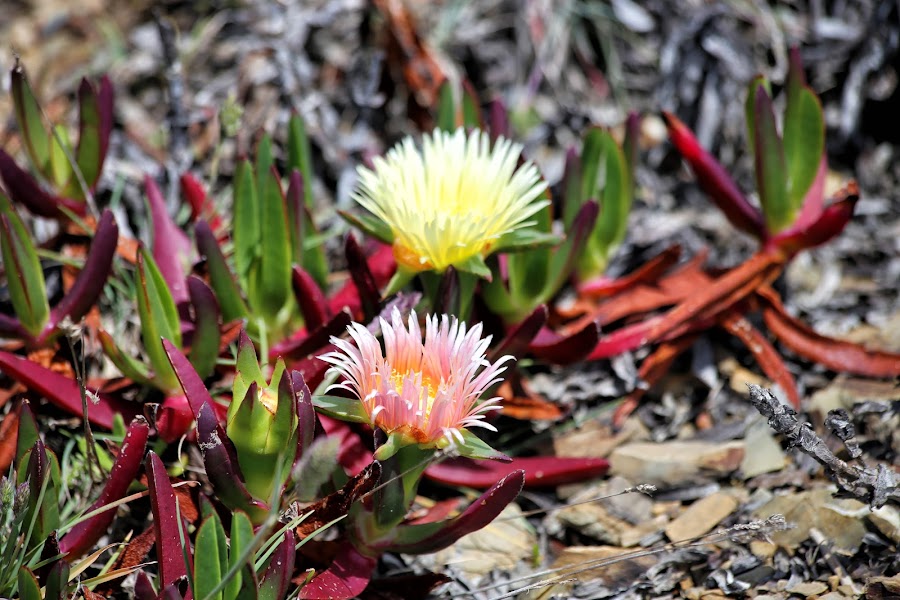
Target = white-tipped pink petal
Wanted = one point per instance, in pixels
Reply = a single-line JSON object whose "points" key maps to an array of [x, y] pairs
{"points": [[425, 390]]}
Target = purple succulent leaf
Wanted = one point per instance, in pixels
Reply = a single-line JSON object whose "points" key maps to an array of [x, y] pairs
{"points": [[315, 340], [193, 387], [170, 244], [85, 534], [431, 537], [206, 333], [565, 350], [222, 468], [105, 102], [10, 327], [498, 120], [276, 581], [306, 413], [24, 189], [366, 285], [90, 281], [169, 526], [346, 578], [143, 587], [313, 303], [519, 337], [65, 393]]}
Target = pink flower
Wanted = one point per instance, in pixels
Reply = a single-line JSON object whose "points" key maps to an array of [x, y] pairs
{"points": [[423, 392]]}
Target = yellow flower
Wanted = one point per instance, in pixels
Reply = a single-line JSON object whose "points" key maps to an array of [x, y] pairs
{"points": [[450, 202]]}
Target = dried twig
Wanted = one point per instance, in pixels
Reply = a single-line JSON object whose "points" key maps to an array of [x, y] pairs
{"points": [[873, 485]]}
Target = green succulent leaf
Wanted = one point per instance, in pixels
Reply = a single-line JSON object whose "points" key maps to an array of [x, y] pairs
{"points": [[246, 222], [300, 155], [473, 447], [446, 109], [771, 174], [804, 141], [28, 585], [241, 538], [210, 558], [475, 265], [159, 319], [370, 225], [60, 169], [344, 409], [30, 121], [270, 288], [607, 177], [471, 111], [25, 277], [129, 366], [750, 106]]}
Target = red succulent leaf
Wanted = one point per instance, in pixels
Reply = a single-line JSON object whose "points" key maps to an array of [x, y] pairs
{"points": [[763, 353], [814, 200], [431, 537], [81, 538], [8, 435], [654, 367], [829, 224], [647, 273], [714, 179], [312, 302], [174, 418], [276, 579], [539, 471], [560, 350], [65, 393], [202, 206], [346, 578], [646, 297], [706, 303], [168, 524], [90, 281], [170, 244], [837, 355]]}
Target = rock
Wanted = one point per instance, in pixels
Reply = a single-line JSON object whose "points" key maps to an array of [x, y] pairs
{"points": [[632, 536], [499, 545], [887, 520], [766, 455], [839, 521], [596, 440], [808, 588], [833, 596], [606, 520], [676, 463], [701, 516], [615, 573], [594, 520]]}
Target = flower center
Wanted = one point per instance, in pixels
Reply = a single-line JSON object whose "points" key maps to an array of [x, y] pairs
{"points": [[427, 391], [268, 399]]}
